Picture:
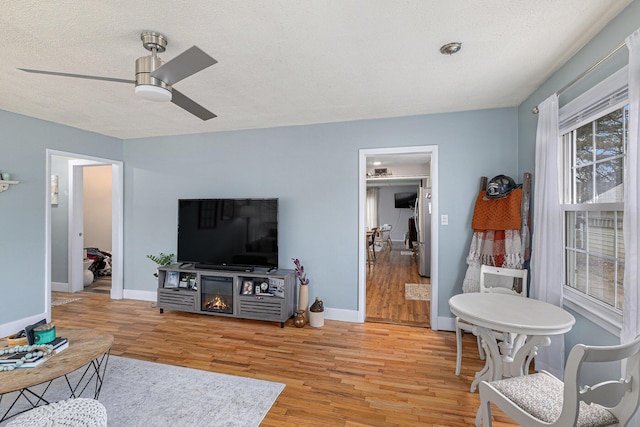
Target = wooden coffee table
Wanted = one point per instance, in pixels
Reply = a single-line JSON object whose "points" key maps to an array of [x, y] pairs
{"points": [[88, 349]]}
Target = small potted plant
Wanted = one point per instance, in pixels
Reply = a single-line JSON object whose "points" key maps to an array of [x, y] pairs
{"points": [[161, 259]]}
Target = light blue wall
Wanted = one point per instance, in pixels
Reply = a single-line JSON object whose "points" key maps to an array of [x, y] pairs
{"points": [[313, 170], [22, 208], [398, 218], [610, 37]]}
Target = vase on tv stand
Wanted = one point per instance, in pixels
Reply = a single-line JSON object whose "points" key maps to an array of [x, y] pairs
{"points": [[303, 294], [303, 300]]}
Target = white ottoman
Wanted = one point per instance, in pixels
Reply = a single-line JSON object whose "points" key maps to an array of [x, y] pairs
{"points": [[66, 413]]}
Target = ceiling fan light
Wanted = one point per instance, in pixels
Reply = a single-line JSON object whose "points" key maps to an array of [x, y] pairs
{"points": [[153, 93]]}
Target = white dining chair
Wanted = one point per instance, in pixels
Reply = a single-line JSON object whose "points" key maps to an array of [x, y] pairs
{"points": [[492, 279], [370, 238], [383, 237], [543, 400]]}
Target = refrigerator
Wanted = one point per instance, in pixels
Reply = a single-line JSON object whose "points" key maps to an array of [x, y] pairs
{"points": [[423, 229]]}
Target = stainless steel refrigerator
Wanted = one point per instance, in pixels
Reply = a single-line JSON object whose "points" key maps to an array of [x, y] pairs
{"points": [[423, 227]]}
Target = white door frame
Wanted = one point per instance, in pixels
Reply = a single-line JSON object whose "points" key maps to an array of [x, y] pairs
{"points": [[76, 225], [362, 180]]}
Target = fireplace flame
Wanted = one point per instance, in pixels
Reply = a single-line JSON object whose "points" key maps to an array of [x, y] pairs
{"points": [[217, 303]]}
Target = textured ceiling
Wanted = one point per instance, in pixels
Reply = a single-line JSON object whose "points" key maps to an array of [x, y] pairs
{"points": [[287, 62]]}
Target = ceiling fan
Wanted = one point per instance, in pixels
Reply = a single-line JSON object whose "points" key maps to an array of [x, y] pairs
{"points": [[155, 79]]}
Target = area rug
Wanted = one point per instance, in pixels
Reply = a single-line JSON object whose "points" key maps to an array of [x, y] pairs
{"points": [[417, 291], [139, 393], [56, 301]]}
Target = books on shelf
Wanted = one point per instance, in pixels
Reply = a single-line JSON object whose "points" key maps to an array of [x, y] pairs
{"points": [[59, 344], [276, 287]]}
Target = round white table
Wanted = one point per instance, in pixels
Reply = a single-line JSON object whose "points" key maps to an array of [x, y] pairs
{"points": [[526, 323]]}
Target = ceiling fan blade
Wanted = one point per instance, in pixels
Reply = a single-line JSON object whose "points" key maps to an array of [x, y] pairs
{"points": [[190, 105], [78, 76], [182, 66]]}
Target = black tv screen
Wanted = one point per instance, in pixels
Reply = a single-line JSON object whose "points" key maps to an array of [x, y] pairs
{"points": [[228, 232], [405, 200]]}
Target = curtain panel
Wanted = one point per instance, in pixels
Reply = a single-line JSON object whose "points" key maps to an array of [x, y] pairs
{"points": [[546, 255], [371, 219]]}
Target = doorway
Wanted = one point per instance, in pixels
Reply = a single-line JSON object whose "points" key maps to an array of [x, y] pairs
{"points": [[65, 244], [96, 227], [395, 268]]}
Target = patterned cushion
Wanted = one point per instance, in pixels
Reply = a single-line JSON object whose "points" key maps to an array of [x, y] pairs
{"points": [[541, 396]]}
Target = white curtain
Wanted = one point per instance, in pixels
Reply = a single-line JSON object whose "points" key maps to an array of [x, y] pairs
{"points": [[372, 208], [546, 255], [631, 222]]}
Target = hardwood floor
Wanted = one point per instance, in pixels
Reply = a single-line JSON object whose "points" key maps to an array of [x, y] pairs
{"points": [[343, 374], [101, 285], [386, 277]]}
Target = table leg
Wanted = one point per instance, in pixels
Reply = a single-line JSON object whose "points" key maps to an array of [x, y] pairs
{"points": [[493, 359], [77, 382], [96, 369], [509, 358], [524, 354]]}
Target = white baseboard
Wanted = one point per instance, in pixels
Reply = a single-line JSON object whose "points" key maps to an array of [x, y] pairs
{"points": [[60, 287], [17, 325], [140, 295], [446, 324], [341, 315]]}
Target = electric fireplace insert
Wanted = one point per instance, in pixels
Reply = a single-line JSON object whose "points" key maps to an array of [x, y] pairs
{"points": [[216, 294]]}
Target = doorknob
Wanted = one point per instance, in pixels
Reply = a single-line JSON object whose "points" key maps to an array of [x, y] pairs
{"points": [[80, 234]]}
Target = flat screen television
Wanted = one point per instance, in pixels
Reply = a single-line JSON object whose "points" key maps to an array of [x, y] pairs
{"points": [[405, 200], [228, 233]]}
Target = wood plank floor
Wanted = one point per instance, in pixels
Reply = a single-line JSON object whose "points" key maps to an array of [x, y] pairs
{"points": [[386, 277], [343, 374]]}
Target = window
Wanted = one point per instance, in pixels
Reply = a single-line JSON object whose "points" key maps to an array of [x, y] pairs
{"points": [[594, 138]]}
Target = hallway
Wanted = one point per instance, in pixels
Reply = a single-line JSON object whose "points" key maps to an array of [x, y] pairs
{"points": [[386, 278]]}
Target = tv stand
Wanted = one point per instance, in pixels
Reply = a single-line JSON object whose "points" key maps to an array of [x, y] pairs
{"points": [[223, 267], [217, 290]]}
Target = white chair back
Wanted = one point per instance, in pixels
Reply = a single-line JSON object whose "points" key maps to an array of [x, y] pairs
{"points": [[529, 401], [384, 235], [620, 396], [503, 280]]}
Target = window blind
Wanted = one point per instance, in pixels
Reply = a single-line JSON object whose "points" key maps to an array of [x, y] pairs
{"points": [[607, 96]]}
